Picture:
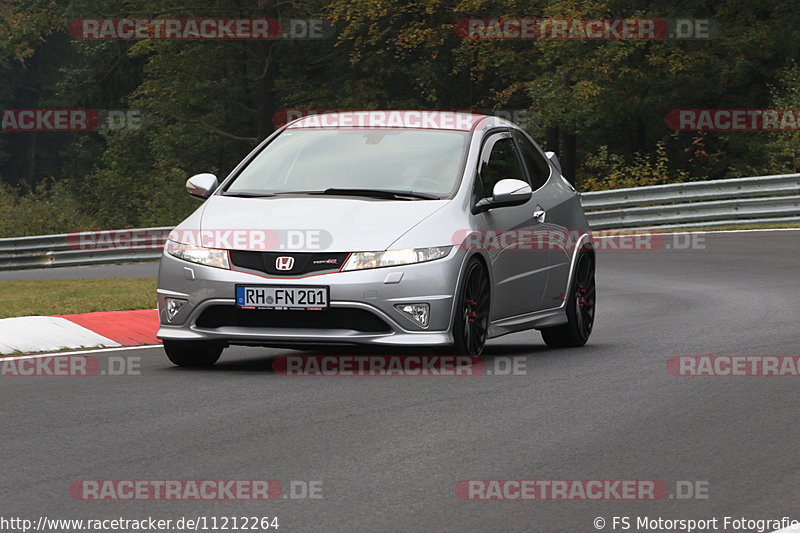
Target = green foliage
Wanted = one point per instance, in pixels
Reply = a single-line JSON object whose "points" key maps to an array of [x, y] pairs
{"points": [[208, 103], [22, 24], [785, 146], [604, 171], [49, 208]]}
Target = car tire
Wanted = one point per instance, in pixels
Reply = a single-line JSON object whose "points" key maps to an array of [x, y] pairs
{"points": [[471, 321], [580, 306], [193, 353]]}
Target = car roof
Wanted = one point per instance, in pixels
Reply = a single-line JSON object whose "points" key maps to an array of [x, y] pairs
{"points": [[391, 119]]}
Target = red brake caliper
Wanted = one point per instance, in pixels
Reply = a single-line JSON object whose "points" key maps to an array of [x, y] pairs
{"points": [[581, 292], [472, 314]]}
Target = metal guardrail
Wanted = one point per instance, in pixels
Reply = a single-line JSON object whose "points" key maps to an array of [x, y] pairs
{"points": [[731, 202], [82, 248]]}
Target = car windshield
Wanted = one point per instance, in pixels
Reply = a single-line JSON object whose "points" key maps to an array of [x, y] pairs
{"points": [[426, 163]]}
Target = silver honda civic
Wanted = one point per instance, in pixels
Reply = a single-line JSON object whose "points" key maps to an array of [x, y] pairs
{"points": [[386, 228]]}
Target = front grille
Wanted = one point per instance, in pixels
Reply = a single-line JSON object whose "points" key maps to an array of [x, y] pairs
{"points": [[304, 263], [217, 316]]}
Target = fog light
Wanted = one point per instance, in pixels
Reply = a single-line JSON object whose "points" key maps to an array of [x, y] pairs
{"points": [[419, 313], [174, 305]]}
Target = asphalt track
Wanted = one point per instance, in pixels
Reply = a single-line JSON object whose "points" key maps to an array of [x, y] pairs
{"points": [[390, 451]]}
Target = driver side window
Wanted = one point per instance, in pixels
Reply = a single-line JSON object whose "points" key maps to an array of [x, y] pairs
{"points": [[502, 162]]}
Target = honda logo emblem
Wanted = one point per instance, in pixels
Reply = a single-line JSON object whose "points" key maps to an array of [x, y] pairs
{"points": [[284, 263]]}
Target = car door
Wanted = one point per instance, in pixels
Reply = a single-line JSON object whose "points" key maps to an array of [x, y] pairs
{"points": [[550, 196], [520, 272]]}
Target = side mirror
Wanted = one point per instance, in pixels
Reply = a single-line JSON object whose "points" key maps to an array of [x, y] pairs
{"points": [[554, 158], [506, 193], [201, 186]]}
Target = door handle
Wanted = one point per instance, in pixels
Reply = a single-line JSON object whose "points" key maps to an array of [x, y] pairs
{"points": [[539, 213]]}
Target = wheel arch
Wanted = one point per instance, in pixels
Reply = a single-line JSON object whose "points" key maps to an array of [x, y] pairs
{"points": [[584, 243], [461, 273]]}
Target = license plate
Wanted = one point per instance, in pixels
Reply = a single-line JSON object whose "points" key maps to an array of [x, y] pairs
{"points": [[308, 298]]}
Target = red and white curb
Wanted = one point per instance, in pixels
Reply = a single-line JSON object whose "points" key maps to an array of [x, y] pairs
{"points": [[88, 330]]}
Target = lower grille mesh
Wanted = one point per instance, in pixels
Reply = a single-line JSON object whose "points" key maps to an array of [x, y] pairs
{"points": [[218, 316]]}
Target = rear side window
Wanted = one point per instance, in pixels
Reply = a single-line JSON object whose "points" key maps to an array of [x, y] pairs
{"points": [[538, 167], [502, 162]]}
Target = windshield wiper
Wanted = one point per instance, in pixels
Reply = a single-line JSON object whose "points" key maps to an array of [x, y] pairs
{"points": [[247, 194], [380, 193], [333, 191]]}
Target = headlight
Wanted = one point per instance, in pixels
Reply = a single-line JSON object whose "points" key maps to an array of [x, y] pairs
{"points": [[197, 254], [362, 260]]}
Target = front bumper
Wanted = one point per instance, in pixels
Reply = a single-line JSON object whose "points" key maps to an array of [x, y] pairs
{"points": [[211, 290]]}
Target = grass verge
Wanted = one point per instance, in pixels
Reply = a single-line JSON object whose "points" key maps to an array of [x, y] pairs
{"points": [[69, 296]]}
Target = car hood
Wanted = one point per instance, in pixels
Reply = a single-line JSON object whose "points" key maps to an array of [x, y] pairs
{"points": [[334, 224]]}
